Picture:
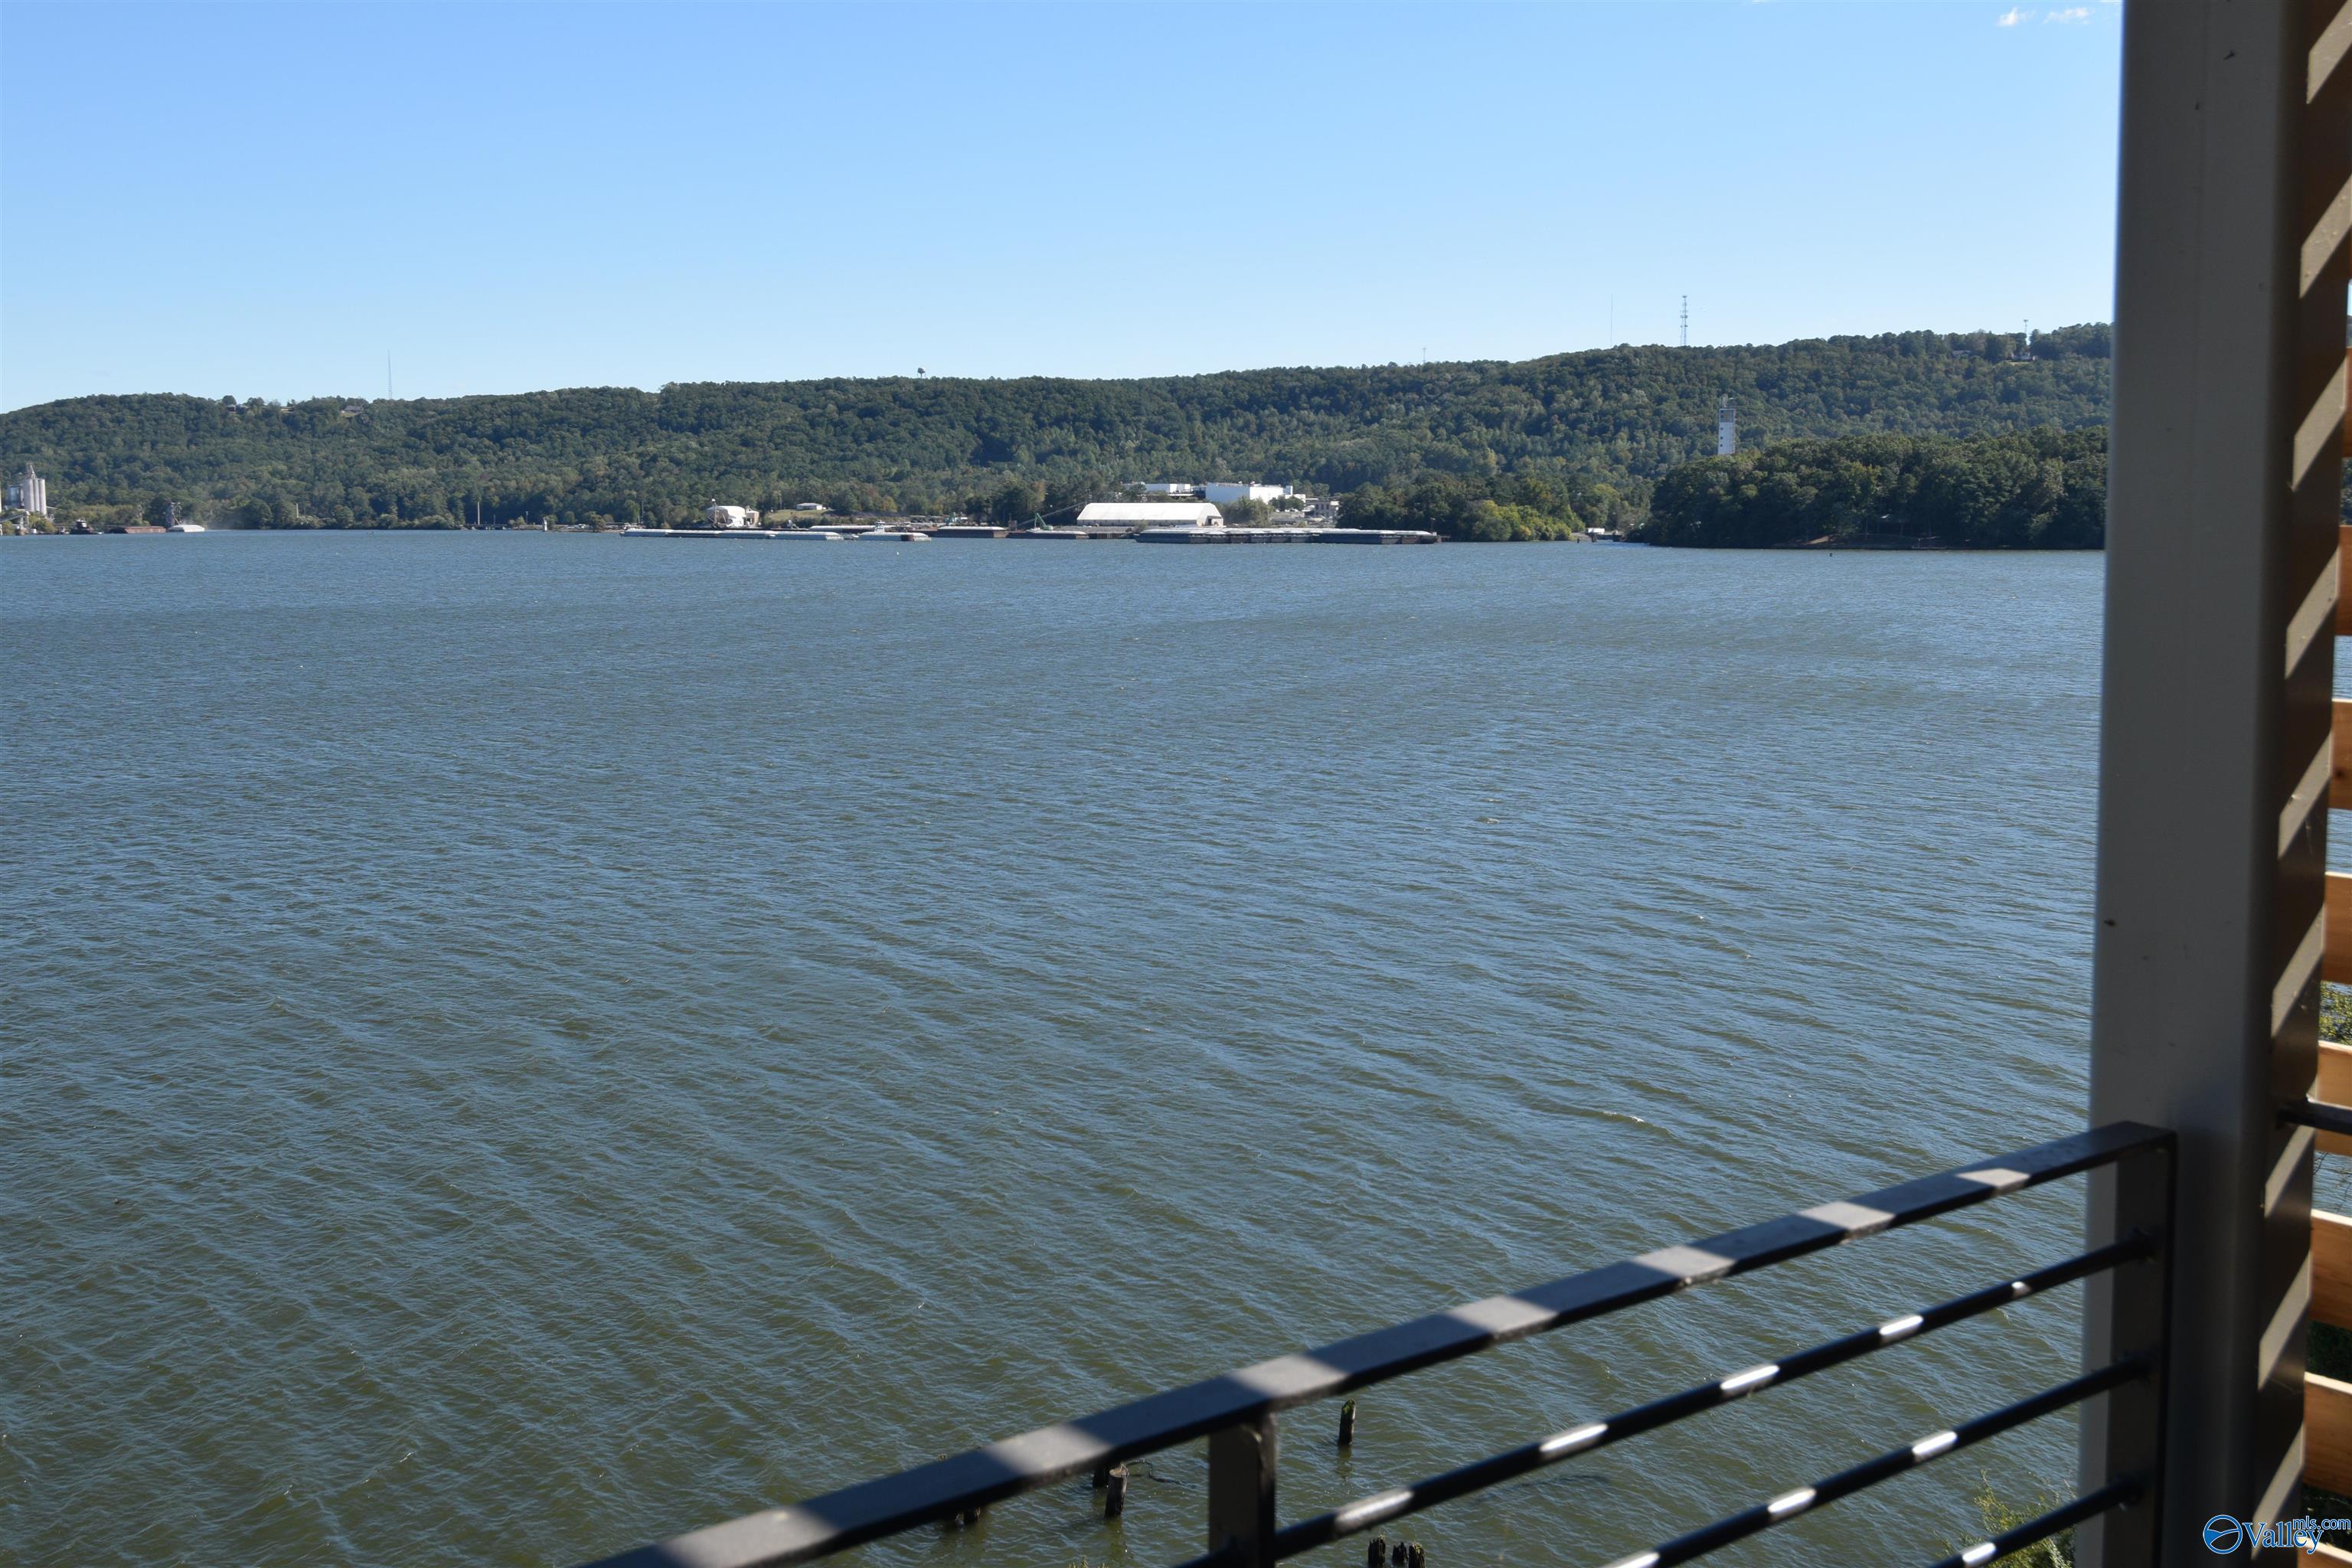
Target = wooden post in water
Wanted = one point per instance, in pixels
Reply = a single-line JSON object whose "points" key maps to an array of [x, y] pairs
{"points": [[1346, 1423], [1376, 1552], [1241, 1466], [1114, 1484]]}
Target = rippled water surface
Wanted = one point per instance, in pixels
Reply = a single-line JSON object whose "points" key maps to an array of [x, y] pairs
{"points": [[514, 1046]]}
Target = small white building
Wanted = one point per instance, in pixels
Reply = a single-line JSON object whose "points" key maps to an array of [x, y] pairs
{"points": [[1149, 515], [1160, 489], [730, 516], [1221, 491]]}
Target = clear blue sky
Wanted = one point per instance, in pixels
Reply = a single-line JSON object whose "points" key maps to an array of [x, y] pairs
{"points": [[262, 200]]}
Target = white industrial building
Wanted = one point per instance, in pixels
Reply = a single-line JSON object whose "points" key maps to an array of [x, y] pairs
{"points": [[1224, 491], [30, 492], [730, 516], [1149, 515], [1221, 491]]}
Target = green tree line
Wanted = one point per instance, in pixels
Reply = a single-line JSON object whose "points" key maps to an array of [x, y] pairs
{"points": [[1505, 509], [1619, 418], [2030, 489]]}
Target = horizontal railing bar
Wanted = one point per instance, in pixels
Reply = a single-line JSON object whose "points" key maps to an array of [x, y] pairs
{"points": [[1870, 1472], [946, 1487], [2115, 1494], [1381, 1507], [2320, 1114]]}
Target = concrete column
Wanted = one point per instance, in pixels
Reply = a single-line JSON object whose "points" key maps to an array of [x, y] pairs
{"points": [[2222, 538]]}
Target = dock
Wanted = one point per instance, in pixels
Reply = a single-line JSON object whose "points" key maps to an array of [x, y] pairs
{"points": [[1140, 535], [734, 533], [1285, 536]]}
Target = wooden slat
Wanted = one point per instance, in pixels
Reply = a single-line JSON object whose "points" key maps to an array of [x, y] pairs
{"points": [[2331, 1269], [2343, 599], [2339, 782], [2347, 407], [2328, 1433], [2335, 1087], [2336, 961], [2344, 552]]}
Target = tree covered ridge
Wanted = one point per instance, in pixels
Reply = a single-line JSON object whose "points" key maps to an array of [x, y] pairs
{"points": [[2044, 489], [1620, 418]]}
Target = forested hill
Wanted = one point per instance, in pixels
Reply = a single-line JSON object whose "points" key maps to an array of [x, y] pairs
{"points": [[1615, 417]]}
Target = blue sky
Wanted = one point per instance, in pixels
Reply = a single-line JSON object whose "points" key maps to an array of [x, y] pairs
{"points": [[263, 200]]}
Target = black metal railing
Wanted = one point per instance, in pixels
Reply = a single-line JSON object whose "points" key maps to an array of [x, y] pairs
{"points": [[2131, 1210], [2319, 1115]]}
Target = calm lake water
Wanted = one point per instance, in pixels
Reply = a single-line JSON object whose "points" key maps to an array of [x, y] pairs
{"points": [[512, 1046]]}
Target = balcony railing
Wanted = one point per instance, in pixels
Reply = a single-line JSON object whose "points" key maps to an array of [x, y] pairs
{"points": [[2130, 1222]]}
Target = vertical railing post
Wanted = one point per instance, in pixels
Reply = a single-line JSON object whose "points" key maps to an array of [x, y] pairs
{"points": [[2128, 1312], [2214, 767], [1241, 1493]]}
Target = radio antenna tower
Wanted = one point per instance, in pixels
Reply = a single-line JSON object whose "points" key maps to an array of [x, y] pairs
{"points": [[1686, 321]]}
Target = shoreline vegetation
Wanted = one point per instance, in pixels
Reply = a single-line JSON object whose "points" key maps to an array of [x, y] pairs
{"points": [[2035, 490], [1534, 450]]}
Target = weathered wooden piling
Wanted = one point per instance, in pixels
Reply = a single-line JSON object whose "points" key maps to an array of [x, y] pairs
{"points": [[1346, 1423], [1114, 1491], [1376, 1552], [1418, 1554]]}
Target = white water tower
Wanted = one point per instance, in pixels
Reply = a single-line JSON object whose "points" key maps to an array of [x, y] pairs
{"points": [[1727, 429]]}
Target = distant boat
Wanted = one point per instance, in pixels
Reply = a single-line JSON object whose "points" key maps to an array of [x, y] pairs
{"points": [[825, 533], [186, 528], [898, 535]]}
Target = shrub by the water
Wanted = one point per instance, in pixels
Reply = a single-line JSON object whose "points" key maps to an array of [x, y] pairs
{"points": [[1525, 508], [1998, 1514]]}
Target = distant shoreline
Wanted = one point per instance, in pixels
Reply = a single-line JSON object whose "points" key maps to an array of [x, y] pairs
{"points": [[1822, 545]]}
